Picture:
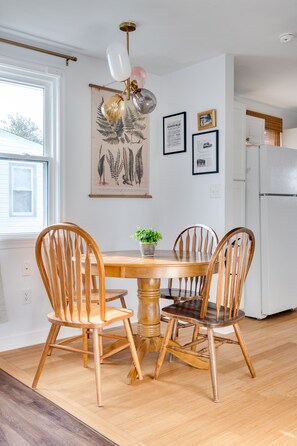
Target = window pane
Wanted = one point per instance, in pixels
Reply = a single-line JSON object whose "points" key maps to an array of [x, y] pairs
{"points": [[23, 211], [21, 118], [22, 202], [22, 178]]}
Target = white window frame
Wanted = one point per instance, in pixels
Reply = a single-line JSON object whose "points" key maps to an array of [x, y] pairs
{"points": [[51, 85]]}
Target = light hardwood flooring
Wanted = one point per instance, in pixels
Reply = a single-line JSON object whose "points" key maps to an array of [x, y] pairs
{"points": [[178, 408]]}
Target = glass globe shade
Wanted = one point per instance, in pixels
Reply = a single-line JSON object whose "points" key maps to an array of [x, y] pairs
{"points": [[144, 101], [113, 107], [139, 75], [118, 61]]}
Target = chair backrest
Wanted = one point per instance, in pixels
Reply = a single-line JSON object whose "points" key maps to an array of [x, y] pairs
{"points": [[94, 277], [230, 264], [65, 256], [198, 238]]}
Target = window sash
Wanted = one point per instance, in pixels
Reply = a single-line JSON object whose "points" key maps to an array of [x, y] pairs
{"points": [[50, 82]]}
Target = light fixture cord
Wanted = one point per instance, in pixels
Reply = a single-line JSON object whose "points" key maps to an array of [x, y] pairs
{"points": [[127, 41], [128, 80]]}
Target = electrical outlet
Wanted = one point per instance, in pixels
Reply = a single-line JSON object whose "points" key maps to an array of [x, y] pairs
{"points": [[26, 269], [26, 297], [215, 191]]}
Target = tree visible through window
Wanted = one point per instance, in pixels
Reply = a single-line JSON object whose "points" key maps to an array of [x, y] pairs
{"points": [[24, 127]]}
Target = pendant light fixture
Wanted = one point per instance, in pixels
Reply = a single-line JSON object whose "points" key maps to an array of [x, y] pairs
{"points": [[118, 59]]}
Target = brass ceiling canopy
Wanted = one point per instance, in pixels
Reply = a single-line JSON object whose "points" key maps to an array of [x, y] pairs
{"points": [[127, 27]]}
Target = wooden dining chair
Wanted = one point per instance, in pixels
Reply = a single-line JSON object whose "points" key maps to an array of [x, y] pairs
{"points": [[67, 276], [196, 238], [229, 264], [110, 296]]}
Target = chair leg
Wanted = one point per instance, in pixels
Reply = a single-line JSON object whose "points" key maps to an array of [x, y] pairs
{"points": [[50, 338], [162, 353], [174, 335], [195, 336], [213, 367], [175, 330], [85, 346], [55, 335], [244, 350], [123, 303], [97, 366], [100, 331], [132, 347]]}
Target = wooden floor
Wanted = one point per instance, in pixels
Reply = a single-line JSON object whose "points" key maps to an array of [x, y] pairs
{"points": [[178, 409], [29, 419]]}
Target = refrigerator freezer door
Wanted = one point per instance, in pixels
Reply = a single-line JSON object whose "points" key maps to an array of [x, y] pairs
{"points": [[278, 253], [278, 170], [253, 287]]}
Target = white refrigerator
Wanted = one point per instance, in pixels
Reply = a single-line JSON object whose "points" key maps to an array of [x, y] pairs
{"points": [[271, 212]]}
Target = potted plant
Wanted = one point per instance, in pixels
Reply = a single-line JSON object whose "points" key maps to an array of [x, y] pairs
{"points": [[148, 238]]}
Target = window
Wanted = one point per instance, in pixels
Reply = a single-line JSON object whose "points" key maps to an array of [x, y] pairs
{"points": [[29, 186]]}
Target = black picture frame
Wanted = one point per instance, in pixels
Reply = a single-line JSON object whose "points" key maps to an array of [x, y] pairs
{"points": [[174, 133], [205, 152]]}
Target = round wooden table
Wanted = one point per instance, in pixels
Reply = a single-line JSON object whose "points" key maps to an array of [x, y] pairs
{"points": [[148, 271]]}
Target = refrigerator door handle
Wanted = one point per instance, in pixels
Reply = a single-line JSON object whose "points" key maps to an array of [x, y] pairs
{"points": [[278, 195]]}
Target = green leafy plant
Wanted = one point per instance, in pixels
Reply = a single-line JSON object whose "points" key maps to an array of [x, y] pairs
{"points": [[147, 235]]}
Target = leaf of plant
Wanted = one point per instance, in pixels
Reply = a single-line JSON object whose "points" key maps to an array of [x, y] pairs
{"points": [[138, 166]]}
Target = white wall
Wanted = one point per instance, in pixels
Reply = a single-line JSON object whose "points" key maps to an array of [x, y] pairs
{"points": [[179, 198], [184, 198], [289, 138]]}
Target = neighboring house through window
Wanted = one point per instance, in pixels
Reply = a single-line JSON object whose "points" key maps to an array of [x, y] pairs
{"points": [[23, 189], [29, 177]]}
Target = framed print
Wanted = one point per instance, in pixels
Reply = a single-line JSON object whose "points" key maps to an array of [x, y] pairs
{"points": [[174, 134], [206, 119], [205, 157], [120, 150]]}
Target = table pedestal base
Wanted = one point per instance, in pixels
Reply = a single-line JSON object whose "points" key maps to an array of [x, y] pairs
{"points": [[144, 345], [148, 338]]}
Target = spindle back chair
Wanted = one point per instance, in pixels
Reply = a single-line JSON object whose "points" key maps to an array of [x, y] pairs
{"points": [[196, 238], [229, 266], [66, 256]]}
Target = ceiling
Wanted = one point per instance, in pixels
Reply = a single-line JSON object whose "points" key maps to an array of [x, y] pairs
{"points": [[171, 35]]}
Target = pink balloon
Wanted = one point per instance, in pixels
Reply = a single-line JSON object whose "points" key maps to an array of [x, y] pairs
{"points": [[138, 74]]}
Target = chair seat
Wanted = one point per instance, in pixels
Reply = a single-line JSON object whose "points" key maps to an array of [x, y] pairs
{"points": [[113, 294], [112, 314], [177, 294], [190, 312], [110, 295]]}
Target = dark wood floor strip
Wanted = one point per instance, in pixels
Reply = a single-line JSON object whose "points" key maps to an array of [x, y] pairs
{"points": [[29, 419]]}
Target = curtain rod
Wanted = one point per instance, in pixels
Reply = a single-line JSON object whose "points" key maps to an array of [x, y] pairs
{"points": [[41, 50]]}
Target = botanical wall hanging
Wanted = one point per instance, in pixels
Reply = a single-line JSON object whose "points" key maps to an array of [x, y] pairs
{"points": [[120, 151]]}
